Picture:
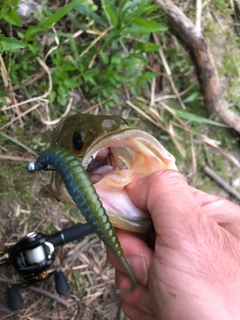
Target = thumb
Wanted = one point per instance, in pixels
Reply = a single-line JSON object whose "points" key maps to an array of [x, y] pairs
{"points": [[169, 200]]}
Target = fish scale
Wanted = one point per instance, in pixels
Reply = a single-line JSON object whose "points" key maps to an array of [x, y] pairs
{"points": [[87, 200]]}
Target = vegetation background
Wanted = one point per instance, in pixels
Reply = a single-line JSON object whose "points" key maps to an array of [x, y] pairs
{"points": [[108, 57]]}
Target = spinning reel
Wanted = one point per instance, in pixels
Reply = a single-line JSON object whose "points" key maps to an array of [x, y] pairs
{"points": [[33, 255]]}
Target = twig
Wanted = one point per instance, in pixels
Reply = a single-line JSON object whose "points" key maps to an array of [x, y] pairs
{"points": [[169, 73], [95, 41], [226, 186], [41, 98], [3, 72], [79, 32], [153, 86], [199, 50], [21, 115], [194, 160], [14, 158], [50, 295], [172, 134], [7, 83], [95, 106], [172, 112], [159, 98], [145, 115], [209, 161], [215, 144], [32, 79], [53, 122], [185, 6], [44, 66], [57, 43], [198, 14]]}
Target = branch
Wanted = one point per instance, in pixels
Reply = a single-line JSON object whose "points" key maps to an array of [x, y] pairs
{"points": [[226, 186], [185, 30]]}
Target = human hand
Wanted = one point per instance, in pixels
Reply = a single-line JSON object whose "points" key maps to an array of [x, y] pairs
{"points": [[194, 270]]}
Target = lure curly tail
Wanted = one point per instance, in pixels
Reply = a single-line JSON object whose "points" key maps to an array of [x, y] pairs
{"points": [[87, 200]]}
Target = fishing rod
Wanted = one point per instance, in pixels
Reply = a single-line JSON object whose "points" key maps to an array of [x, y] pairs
{"points": [[33, 255]]}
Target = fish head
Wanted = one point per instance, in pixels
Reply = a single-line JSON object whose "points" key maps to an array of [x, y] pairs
{"points": [[111, 153]]}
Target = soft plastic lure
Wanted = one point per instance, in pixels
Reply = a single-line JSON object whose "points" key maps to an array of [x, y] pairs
{"points": [[87, 200]]}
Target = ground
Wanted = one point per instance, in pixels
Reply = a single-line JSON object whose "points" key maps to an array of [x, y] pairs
{"points": [[194, 143]]}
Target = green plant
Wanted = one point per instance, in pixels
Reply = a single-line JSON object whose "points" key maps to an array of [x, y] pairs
{"points": [[99, 67], [8, 13], [109, 53], [223, 6]]}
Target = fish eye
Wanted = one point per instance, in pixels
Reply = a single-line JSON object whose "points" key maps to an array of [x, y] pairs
{"points": [[77, 140]]}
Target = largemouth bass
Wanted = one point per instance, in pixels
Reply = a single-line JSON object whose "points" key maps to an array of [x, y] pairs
{"points": [[111, 153]]}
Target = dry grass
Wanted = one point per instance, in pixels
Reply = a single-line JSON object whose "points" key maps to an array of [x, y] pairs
{"points": [[92, 294]]}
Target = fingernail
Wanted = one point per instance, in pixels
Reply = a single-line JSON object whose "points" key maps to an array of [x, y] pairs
{"points": [[139, 267]]}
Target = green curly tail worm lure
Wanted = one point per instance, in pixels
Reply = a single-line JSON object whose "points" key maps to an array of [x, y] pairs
{"points": [[87, 200]]}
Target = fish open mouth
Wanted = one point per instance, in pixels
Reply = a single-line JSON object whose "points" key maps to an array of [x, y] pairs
{"points": [[112, 153], [111, 163], [103, 162]]}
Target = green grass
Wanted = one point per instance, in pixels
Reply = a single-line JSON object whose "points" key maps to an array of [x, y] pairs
{"points": [[100, 63], [105, 54]]}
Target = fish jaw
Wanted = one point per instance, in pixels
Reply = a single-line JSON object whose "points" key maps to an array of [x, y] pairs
{"points": [[139, 150], [132, 152], [123, 213]]}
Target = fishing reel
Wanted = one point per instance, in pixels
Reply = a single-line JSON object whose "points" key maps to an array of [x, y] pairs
{"points": [[33, 255]]}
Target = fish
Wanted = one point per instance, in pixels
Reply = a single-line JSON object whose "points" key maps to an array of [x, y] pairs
{"points": [[83, 194], [111, 153]]}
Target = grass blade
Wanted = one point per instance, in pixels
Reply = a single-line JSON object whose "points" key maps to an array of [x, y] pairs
{"points": [[7, 44], [194, 118], [52, 19], [20, 144], [110, 12]]}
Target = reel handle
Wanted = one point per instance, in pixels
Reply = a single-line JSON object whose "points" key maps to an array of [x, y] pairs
{"points": [[14, 299], [62, 285]]}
